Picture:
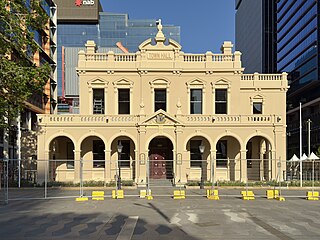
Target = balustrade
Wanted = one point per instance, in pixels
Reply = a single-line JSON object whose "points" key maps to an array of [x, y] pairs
{"points": [[194, 58], [125, 57]]}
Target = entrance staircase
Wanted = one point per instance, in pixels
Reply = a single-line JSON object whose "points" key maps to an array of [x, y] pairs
{"points": [[160, 183]]}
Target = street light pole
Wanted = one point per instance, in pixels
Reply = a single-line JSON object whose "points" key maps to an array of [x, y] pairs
{"points": [[309, 123], [119, 148], [300, 116], [201, 149]]}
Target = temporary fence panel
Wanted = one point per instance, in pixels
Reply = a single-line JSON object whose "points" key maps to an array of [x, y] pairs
{"points": [[65, 178]]}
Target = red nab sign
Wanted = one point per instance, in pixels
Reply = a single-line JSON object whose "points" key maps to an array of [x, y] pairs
{"points": [[79, 3]]}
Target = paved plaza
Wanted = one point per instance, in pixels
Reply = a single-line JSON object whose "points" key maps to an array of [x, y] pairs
{"points": [[161, 218]]}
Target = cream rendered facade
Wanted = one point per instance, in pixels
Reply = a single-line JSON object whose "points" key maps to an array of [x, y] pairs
{"points": [[190, 84]]}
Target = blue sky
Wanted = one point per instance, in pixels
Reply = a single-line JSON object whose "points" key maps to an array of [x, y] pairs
{"points": [[205, 24]]}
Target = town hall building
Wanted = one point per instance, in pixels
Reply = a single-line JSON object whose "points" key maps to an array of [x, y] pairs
{"points": [[165, 114]]}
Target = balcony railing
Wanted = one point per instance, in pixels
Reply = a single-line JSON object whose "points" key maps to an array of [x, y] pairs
{"points": [[88, 119], [264, 77], [231, 119], [134, 119]]}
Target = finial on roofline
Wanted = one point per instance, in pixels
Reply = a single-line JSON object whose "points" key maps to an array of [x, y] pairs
{"points": [[159, 23], [160, 36]]}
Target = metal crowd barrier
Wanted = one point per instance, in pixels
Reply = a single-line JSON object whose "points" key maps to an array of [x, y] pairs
{"points": [[157, 176]]}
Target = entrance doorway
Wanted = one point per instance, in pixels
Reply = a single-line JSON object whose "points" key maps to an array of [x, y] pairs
{"points": [[161, 158]]}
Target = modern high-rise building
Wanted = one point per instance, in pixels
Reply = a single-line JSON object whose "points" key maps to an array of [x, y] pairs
{"points": [[256, 34], [78, 23], [298, 54], [24, 134]]}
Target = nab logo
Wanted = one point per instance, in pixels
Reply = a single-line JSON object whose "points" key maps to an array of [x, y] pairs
{"points": [[79, 3]]}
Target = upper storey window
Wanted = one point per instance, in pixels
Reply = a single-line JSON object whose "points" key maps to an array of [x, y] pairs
{"points": [[160, 99], [257, 104], [98, 101], [221, 103], [160, 90], [196, 101], [257, 108], [123, 89], [124, 101]]}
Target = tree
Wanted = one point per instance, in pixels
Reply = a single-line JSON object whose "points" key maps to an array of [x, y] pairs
{"points": [[19, 75]]}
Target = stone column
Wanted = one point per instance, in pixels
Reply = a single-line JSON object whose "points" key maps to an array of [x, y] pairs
{"points": [[179, 167], [135, 166], [143, 157], [261, 167], [213, 165], [269, 165], [77, 157], [237, 168], [107, 165], [273, 165], [243, 160]]}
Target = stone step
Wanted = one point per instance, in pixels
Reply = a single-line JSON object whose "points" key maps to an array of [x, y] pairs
{"points": [[160, 182]]}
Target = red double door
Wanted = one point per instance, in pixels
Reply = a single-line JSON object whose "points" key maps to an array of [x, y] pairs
{"points": [[158, 166]]}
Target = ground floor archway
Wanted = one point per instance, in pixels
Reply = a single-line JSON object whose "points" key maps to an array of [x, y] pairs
{"points": [[259, 159], [161, 158], [61, 164]]}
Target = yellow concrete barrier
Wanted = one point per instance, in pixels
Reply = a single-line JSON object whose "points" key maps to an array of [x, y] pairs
{"points": [[213, 194], [143, 193], [149, 197], [272, 194], [280, 198], [98, 195], [81, 199], [312, 196], [117, 194], [179, 194], [247, 195]]}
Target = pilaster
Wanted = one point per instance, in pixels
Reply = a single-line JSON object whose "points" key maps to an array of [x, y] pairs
{"points": [[77, 163], [243, 170]]}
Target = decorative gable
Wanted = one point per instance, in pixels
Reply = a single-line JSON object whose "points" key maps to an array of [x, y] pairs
{"points": [[222, 81], [257, 98], [97, 82], [160, 117], [123, 82]]}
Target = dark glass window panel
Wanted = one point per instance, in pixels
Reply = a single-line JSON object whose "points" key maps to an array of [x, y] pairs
{"points": [[196, 94], [196, 101], [291, 57], [257, 108], [160, 99], [221, 95], [124, 157], [195, 155], [124, 101], [222, 154], [221, 108], [221, 101], [98, 154], [196, 108], [295, 12], [297, 31], [98, 101]]}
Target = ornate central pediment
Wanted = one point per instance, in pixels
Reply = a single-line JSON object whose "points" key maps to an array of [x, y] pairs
{"points": [[160, 117], [158, 49]]}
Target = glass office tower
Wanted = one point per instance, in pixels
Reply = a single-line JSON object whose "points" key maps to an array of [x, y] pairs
{"points": [[106, 29], [256, 34], [298, 54]]}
